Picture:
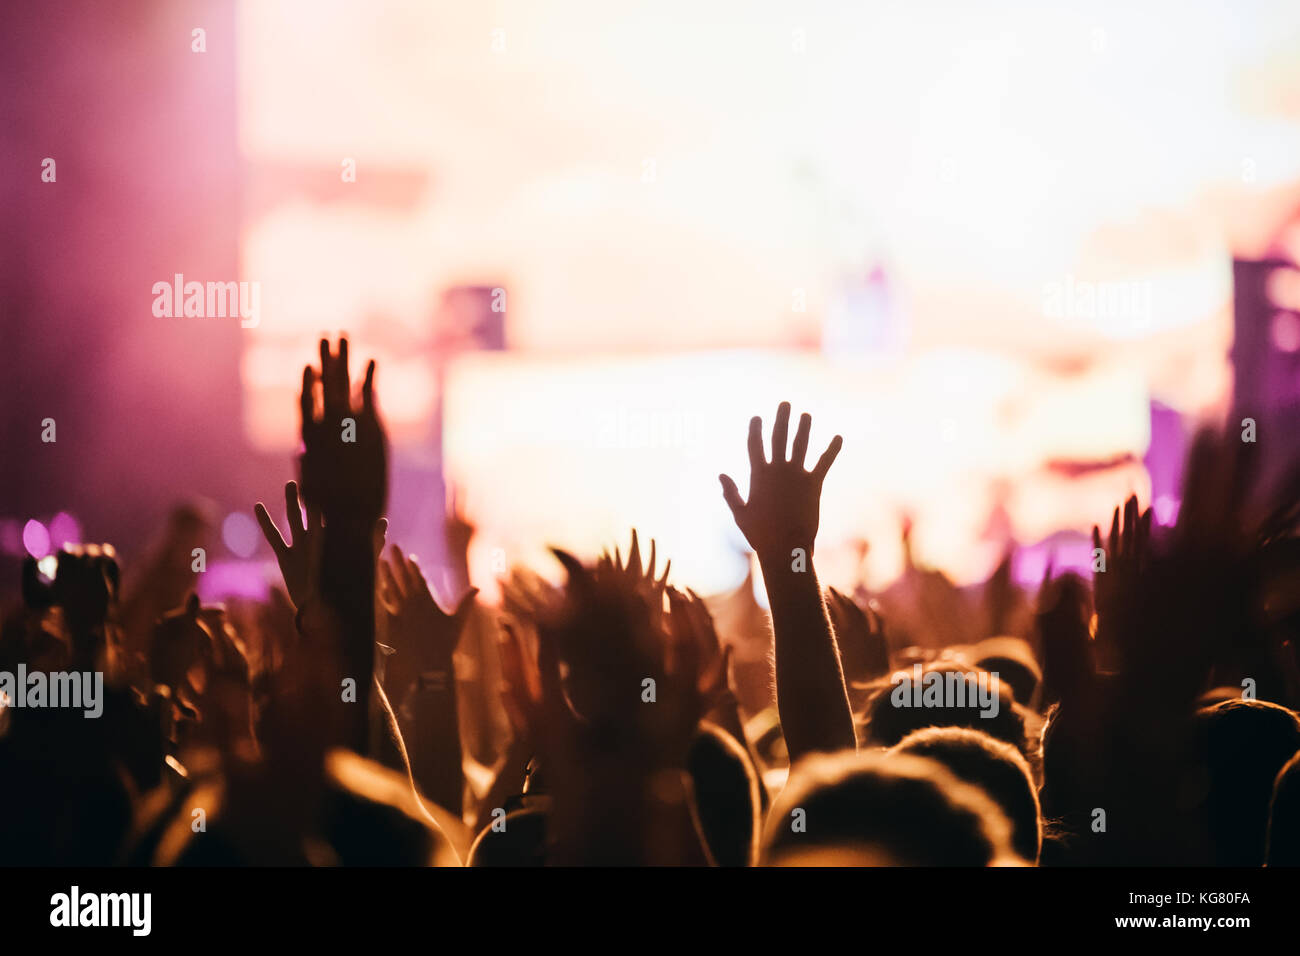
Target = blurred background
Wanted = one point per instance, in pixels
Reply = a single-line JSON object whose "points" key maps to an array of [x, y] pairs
{"points": [[1012, 254]]}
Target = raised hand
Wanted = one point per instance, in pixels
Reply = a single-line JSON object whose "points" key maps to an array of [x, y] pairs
{"points": [[300, 558], [458, 532], [86, 587], [179, 641], [860, 635], [344, 476], [782, 509], [197, 656], [521, 683], [611, 640], [344, 463], [613, 705], [422, 634], [780, 521], [1127, 550], [86, 583], [1069, 669], [641, 578], [691, 621], [525, 595]]}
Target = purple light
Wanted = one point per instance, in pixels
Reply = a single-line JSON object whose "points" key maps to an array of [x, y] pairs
{"points": [[240, 534], [36, 539], [1286, 331], [226, 580], [1165, 509], [64, 530]]}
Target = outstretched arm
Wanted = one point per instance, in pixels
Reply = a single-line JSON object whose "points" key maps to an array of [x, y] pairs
{"points": [[421, 679], [780, 520], [345, 476]]}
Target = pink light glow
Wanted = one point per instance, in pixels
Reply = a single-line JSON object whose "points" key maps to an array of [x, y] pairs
{"points": [[64, 529], [240, 534], [36, 539]]}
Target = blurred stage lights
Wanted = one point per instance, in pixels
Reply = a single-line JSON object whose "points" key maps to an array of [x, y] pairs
{"points": [[240, 534], [36, 539]]}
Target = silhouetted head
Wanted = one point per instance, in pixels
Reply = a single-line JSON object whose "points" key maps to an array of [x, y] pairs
{"points": [[1284, 817], [945, 694], [1012, 659], [357, 813], [886, 810], [1245, 743], [727, 798], [993, 765], [516, 839]]}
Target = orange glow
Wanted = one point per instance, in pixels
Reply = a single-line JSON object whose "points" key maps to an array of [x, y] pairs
{"points": [[647, 219]]}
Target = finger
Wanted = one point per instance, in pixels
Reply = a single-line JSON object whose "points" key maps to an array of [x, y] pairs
{"points": [[400, 573], [335, 398], [663, 582], [715, 675], [522, 676], [314, 523], [837, 602], [780, 431], [414, 576], [676, 606], [1096, 541], [800, 449], [549, 680], [1114, 535], [1130, 523], [269, 530], [512, 663], [327, 387], [344, 375], [307, 400], [699, 612], [828, 458], [466, 606], [756, 459], [874, 621], [293, 511], [731, 495], [388, 593], [1144, 530], [650, 565], [528, 656], [378, 536], [315, 544], [368, 388], [634, 557], [678, 632]]}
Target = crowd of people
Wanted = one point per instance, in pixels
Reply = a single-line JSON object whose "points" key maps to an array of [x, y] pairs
{"points": [[1145, 716]]}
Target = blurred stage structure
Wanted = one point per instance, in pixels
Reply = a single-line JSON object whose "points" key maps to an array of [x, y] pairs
{"points": [[995, 251]]}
